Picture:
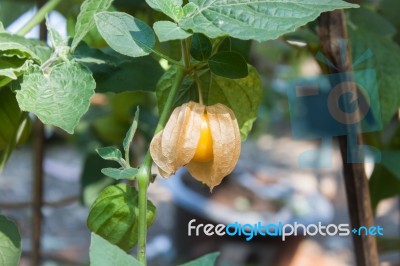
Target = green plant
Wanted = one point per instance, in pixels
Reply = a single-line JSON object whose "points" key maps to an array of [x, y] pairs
{"points": [[56, 84]]}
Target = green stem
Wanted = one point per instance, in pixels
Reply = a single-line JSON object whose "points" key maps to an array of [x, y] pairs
{"points": [[39, 16], [186, 53], [180, 74], [144, 174], [199, 89], [143, 179], [169, 59]]}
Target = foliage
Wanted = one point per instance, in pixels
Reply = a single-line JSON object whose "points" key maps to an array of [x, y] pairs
{"points": [[10, 242], [114, 215], [57, 85], [364, 34], [103, 253]]}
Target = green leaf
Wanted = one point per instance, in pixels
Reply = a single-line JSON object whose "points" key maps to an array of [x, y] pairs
{"points": [[129, 76], [391, 159], [55, 37], [260, 20], [85, 20], [386, 63], [58, 98], [167, 31], [103, 253], [117, 73], [243, 96], [389, 9], [186, 93], [131, 132], [10, 117], [229, 65], [118, 174], [171, 8], [225, 45], [10, 242], [372, 21], [114, 215], [92, 181], [125, 34], [383, 184], [11, 10], [201, 47], [15, 45], [111, 154], [206, 260], [11, 68]]}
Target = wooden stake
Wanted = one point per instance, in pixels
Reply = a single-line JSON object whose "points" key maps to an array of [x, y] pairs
{"points": [[332, 30], [38, 158]]}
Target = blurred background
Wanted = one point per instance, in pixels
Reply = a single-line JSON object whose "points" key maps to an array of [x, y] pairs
{"points": [[269, 184]]}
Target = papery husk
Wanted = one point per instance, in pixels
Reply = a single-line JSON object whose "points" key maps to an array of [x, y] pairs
{"points": [[176, 145], [226, 147]]}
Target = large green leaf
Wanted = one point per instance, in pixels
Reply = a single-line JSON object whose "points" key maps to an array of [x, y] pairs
{"points": [[206, 260], [171, 8], [11, 10], [229, 65], [167, 31], [114, 215], [386, 63], [129, 76], [390, 10], [10, 117], [58, 98], [372, 21], [117, 73], [85, 20], [201, 47], [383, 184], [16, 53], [103, 253], [125, 34], [10, 243], [243, 96], [260, 20], [14, 45], [11, 68]]}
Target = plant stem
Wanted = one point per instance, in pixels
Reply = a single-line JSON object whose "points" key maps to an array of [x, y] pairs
{"points": [[144, 174], [38, 172], [180, 74], [186, 53], [199, 89], [163, 56], [38, 17], [143, 182]]}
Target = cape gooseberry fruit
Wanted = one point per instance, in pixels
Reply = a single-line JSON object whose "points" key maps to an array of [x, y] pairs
{"points": [[204, 139]]}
